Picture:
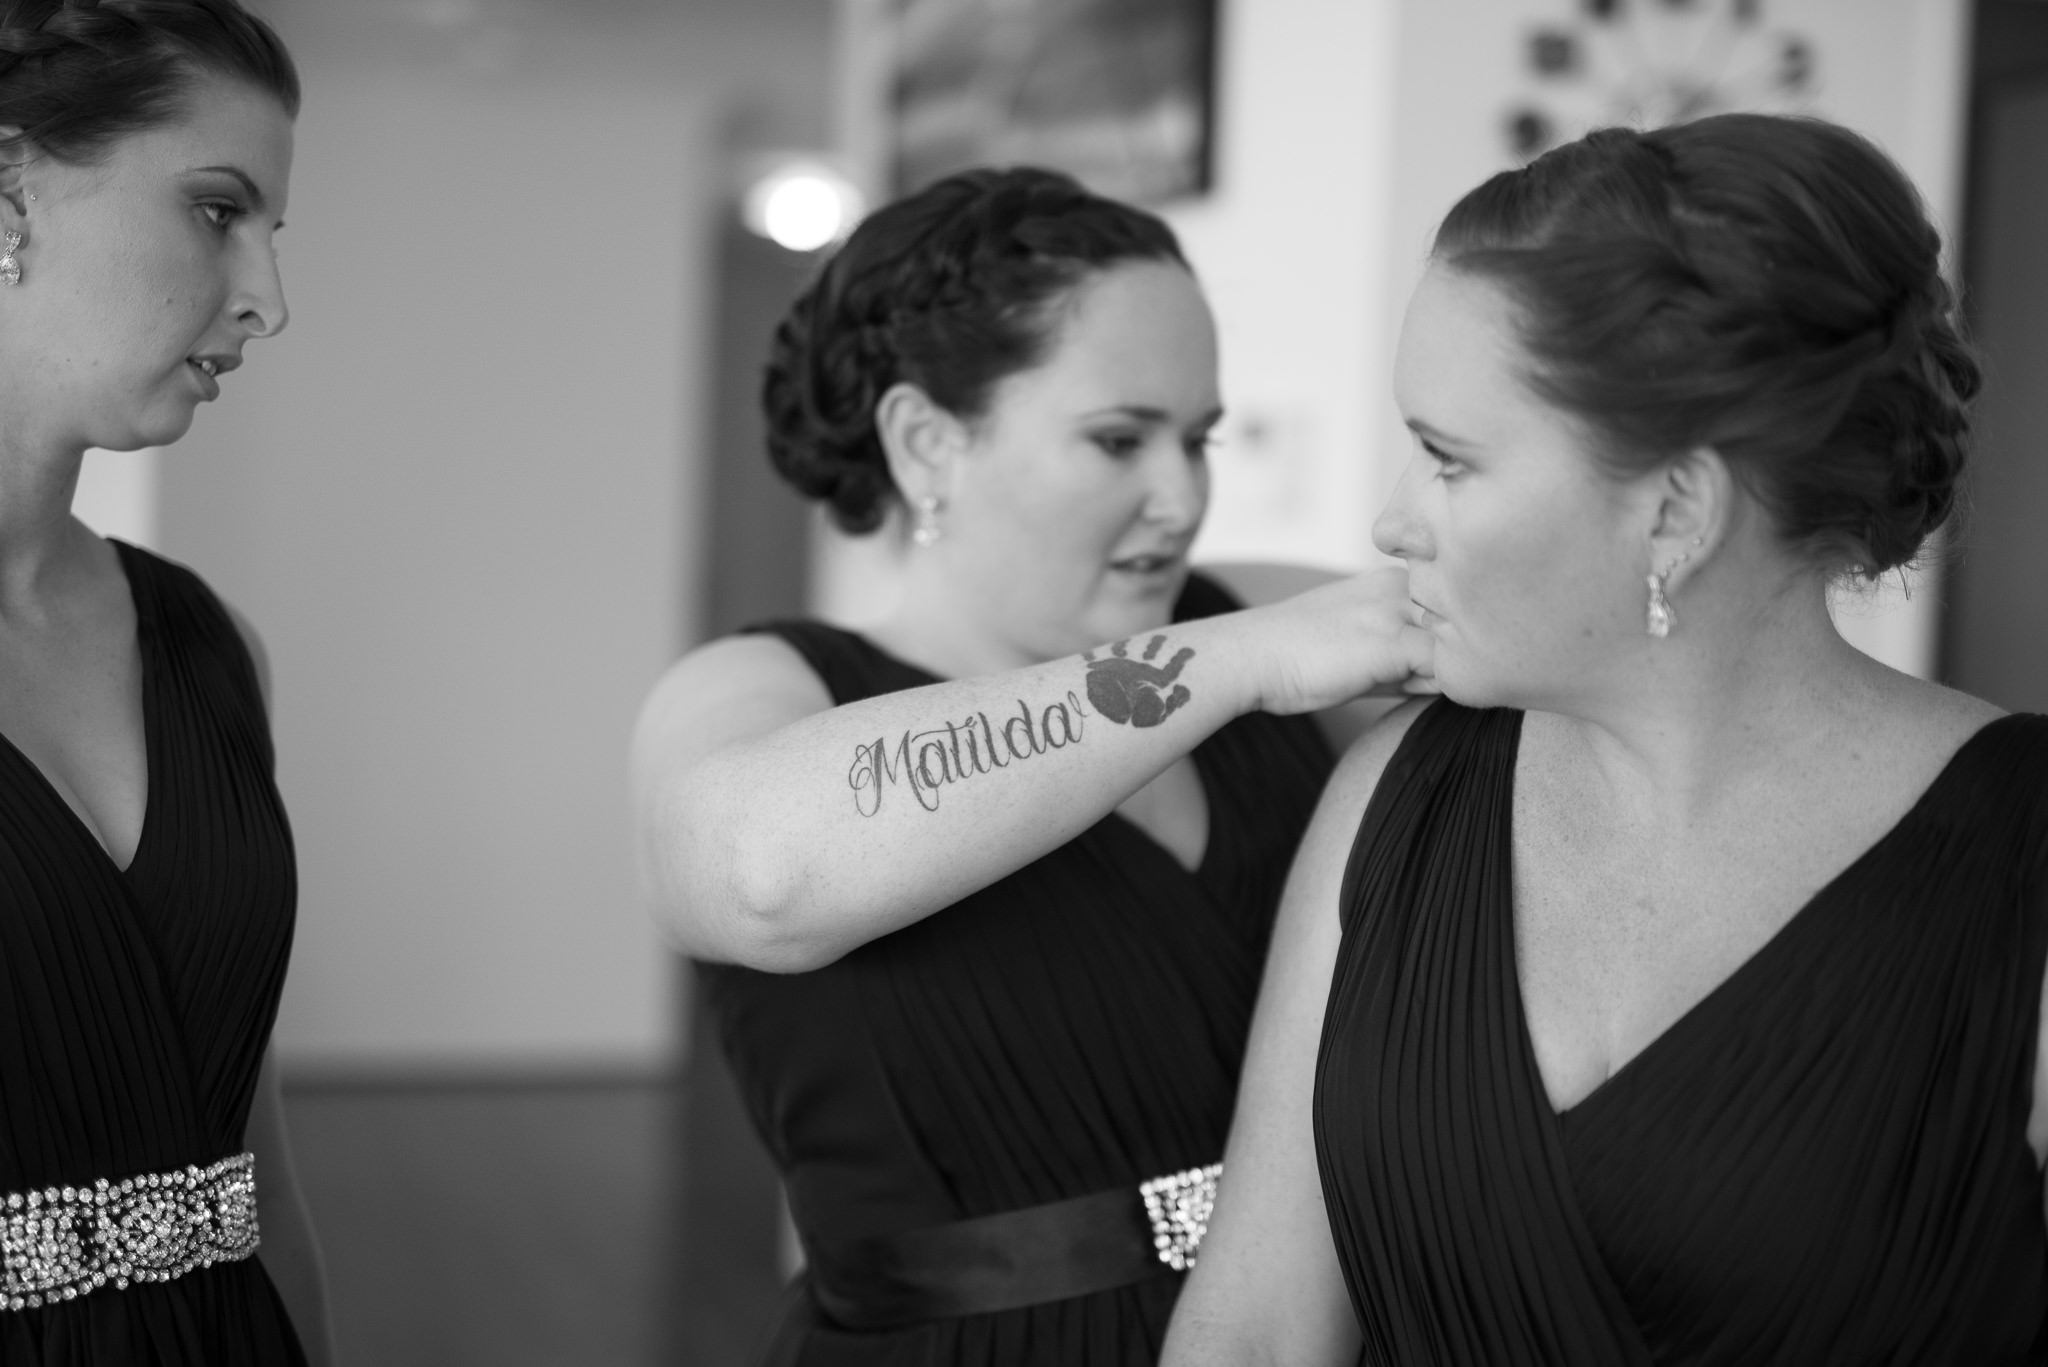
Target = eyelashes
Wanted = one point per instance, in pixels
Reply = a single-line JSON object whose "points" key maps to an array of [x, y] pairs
{"points": [[222, 215], [1448, 466], [1125, 445]]}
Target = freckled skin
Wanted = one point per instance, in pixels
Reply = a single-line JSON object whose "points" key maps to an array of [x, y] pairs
{"points": [[1527, 550], [1052, 486], [127, 274]]}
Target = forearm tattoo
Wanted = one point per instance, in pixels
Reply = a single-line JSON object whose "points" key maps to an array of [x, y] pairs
{"points": [[1134, 692], [1137, 691]]}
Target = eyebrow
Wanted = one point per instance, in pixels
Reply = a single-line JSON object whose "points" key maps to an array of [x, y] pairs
{"points": [[1423, 429], [1146, 413]]}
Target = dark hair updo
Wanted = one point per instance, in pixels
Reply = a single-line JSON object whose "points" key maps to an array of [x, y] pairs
{"points": [[1767, 286], [77, 76], [950, 289]]}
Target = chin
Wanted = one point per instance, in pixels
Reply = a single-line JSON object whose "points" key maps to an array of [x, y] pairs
{"points": [[156, 431], [1472, 687]]}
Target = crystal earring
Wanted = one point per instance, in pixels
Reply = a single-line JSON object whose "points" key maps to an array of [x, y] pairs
{"points": [[10, 264], [924, 533], [1660, 616], [1660, 607]]}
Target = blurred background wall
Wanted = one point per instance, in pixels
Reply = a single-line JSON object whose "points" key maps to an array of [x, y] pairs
{"points": [[503, 467]]}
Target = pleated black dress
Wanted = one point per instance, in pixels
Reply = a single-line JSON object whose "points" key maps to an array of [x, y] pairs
{"points": [[1075, 1027], [1824, 1162], [135, 1004]]}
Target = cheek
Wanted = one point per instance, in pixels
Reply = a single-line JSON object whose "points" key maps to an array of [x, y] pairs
{"points": [[1536, 574]]}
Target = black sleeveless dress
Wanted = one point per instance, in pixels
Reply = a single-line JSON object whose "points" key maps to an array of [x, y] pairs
{"points": [[1825, 1161], [1074, 1027], [135, 1004]]}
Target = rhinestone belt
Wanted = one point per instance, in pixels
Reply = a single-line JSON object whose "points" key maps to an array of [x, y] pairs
{"points": [[1178, 1206], [63, 1242]]}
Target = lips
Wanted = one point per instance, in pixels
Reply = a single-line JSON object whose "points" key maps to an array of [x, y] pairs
{"points": [[210, 368], [1159, 562]]}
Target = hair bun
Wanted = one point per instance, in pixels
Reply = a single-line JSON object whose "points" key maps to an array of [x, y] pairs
{"points": [[948, 290], [1766, 286]]}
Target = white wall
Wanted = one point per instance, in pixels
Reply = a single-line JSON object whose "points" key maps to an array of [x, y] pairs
{"points": [[459, 498], [117, 494], [1349, 129], [1292, 248]]}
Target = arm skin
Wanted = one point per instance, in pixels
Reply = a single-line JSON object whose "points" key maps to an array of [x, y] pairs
{"points": [[756, 846], [1267, 1290], [290, 1250], [1256, 583]]}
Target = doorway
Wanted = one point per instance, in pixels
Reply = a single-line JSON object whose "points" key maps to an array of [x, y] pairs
{"points": [[1995, 637]]}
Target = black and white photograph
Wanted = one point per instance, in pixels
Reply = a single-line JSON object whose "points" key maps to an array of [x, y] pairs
{"points": [[1023, 683]]}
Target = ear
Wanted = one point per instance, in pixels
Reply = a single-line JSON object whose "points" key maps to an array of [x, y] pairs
{"points": [[15, 160], [1696, 505], [921, 441]]}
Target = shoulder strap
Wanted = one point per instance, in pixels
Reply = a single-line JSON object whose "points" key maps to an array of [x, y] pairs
{"points": [[848, 664], [1444, 737], [173, 600]]}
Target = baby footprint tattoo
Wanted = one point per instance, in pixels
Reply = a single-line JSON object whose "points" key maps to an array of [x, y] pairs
{"points": [[1137, 692]]}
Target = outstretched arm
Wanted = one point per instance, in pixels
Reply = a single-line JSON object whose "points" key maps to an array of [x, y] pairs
{"points": [[781, 832], [1267, 1290]]}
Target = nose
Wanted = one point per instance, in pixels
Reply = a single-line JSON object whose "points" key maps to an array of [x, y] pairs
{"points": [[1177, 493], [1399, 530], [258, 303]]}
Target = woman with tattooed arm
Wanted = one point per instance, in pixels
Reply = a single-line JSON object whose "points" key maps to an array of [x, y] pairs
{"points": [[982, 894]]}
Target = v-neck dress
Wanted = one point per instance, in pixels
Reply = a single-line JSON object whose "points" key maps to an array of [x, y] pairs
{"points": [[1825, 1161], [1075, 1027], [135, 1004]]}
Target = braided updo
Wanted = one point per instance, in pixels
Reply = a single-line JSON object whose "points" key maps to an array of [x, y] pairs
{"points": [[950, 289], [77, 76], [1766, 286]]}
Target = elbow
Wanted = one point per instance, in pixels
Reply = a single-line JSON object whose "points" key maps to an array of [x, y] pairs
{"points": [[763, 921], [725, 896]]}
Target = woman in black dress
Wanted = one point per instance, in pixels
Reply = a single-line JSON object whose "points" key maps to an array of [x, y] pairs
{"points": [[1680, 1000], [982, 893], [146, 878]]}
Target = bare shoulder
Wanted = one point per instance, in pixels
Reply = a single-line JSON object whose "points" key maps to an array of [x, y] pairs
{"points": [[1358, 773], [1257, 583], [1937, 718], [1369, 755], [734, 688]]}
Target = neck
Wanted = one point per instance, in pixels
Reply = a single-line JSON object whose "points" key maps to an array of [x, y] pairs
{"points": [[37, 532], [1742, 686], [937, 627]]}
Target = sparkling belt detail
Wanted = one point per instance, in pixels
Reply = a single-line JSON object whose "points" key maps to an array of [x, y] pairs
{"points": [[63, 1242], [1178, 1206], [1017, 1258]]}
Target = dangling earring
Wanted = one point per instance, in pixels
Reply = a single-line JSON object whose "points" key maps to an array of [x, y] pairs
{"points": [[1661, 616], [10, 264], [1660, 606], [924, 533]]}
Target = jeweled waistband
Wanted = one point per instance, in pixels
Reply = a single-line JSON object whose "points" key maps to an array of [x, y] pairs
{"points": [[61, 1243]]}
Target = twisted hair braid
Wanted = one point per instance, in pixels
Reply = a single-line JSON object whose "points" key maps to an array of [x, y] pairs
{"points": [[78, 75], [1770, 287], [950, 289]]}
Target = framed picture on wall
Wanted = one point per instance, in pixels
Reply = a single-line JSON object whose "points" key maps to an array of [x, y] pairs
{"points": [[1119, 93]]}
